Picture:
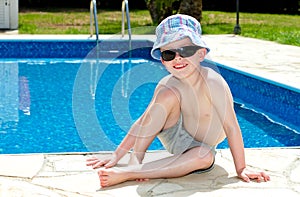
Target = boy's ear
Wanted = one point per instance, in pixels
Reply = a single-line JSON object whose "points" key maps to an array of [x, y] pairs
{"points": [[202, 53]]}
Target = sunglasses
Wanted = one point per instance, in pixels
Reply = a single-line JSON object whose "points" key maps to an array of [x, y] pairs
{"points": [[186, 51]]}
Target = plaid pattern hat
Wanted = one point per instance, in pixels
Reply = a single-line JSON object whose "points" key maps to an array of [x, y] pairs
{"points": [[177, 27]]}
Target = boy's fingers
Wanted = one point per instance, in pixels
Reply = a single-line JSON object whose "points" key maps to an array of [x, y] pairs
{"points": [[92, 159], [90, 163], [99, 164], [246, 179], [265, 176], [110, 164], [256, 176], [142, 180]]}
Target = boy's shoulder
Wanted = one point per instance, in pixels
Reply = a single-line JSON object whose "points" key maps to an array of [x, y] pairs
{"points": [[169, 81], [213, 78]]}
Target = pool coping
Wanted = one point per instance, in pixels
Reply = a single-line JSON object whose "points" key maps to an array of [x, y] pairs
{"points": [[76, 37]]}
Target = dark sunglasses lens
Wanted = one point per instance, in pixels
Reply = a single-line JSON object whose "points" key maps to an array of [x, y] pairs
{"points": [[188, 51], [168, 55]]}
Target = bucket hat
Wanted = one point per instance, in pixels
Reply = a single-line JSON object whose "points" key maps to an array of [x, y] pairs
{"points": [[177, 27]]}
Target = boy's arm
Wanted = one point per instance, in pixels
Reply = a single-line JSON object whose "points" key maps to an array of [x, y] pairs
{"points": [[223, 103], [130, 139], [111, 160], [149, 124]]}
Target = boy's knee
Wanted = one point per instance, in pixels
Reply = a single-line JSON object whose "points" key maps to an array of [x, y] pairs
{"points": [[204, 154]]}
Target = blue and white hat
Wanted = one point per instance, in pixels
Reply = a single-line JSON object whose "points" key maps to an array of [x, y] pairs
{"points": [[177, 27]]}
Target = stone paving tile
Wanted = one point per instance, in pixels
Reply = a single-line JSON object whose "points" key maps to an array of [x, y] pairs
{"points": [[13, 165], [277, 62], [16, 187], [67, 175]]}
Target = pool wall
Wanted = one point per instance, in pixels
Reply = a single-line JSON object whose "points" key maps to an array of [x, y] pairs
{"points": [[73, 49], [278, 101]]}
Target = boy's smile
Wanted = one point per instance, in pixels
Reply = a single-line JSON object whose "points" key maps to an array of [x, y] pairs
{"points": [[179, 66]]}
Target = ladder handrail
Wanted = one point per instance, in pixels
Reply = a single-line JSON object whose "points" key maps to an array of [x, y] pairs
{"points": [[125, 5], [125, 80], [93, 11]]}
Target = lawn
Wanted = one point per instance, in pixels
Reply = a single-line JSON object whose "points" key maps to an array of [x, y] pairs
{"points": [[283, 29]]}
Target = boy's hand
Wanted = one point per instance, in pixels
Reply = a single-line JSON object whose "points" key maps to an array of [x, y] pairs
{"points": [[107, 162], [247, 175]]}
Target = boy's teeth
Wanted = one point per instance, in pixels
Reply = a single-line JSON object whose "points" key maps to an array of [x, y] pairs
{"points": [[179, 66]]}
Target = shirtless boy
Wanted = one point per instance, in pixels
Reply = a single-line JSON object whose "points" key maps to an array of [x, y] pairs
{"points": [[191, 112]]}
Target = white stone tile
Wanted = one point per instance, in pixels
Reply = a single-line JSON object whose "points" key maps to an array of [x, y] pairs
{"points": [[21, 165]]}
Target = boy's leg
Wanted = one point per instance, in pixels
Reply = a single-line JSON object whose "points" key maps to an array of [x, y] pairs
{"points": [[157, 117], [139, 150], [143, 142], [170, 167]]}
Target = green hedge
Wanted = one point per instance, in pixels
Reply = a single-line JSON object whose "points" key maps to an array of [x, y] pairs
{"points": [[252, 6]]}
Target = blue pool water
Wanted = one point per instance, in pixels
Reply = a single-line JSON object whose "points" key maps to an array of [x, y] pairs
{"points": [[78, 105]]}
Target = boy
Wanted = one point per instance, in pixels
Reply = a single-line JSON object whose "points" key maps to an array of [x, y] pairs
{"points": [[191, 112]]}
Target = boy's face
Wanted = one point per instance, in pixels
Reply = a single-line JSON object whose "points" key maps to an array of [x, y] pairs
{"points": [[182, 67]]}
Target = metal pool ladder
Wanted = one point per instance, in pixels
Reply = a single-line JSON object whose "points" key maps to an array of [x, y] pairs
{"points": [[125, 80], [125, 6], [93, 11]]}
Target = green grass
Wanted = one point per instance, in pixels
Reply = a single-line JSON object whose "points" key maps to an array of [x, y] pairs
{"points": [[77, 21], [283, 29]]}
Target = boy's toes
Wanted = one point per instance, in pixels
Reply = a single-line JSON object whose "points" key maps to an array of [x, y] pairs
{"points": [[104, 183]]}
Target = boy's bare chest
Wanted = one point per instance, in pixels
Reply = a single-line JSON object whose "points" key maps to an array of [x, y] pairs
{"points": [[196, 104]]}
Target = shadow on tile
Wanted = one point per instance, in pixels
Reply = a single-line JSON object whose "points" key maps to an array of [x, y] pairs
{"points": [[187, 185]]}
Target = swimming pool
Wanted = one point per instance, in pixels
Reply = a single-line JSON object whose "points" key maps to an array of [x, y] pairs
{"points": [[69, 96]]}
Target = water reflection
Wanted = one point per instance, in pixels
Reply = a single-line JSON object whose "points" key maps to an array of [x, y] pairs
{"points": [[24, 95], [14, 93], [94, 72], [9, 99]]}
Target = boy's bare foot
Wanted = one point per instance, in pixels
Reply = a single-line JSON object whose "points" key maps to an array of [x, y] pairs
{"points": [[111, 176]]}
